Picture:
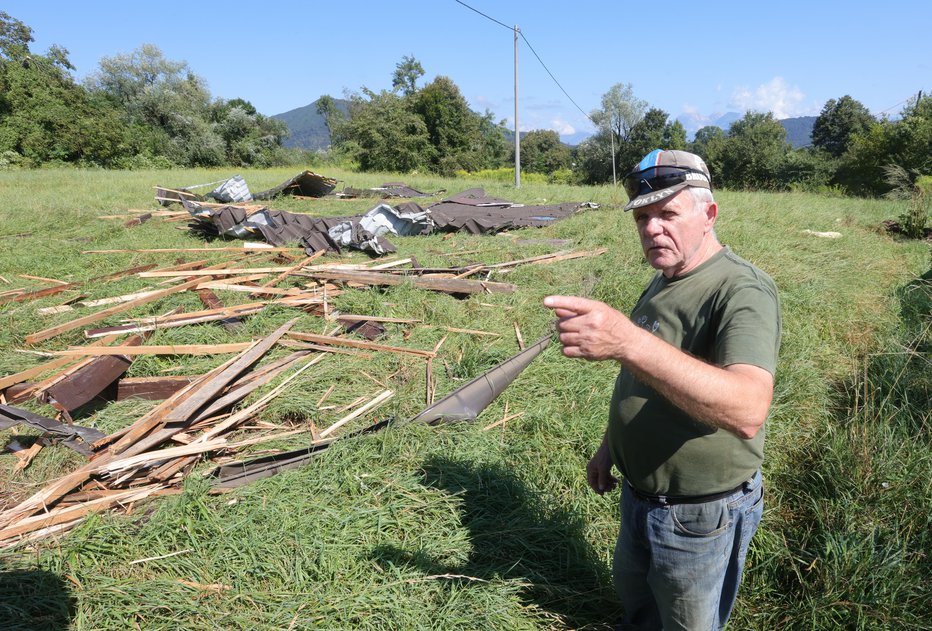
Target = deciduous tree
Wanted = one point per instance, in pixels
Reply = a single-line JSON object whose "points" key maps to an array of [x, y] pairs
{"points": [[620, 112], [837, 122], [407, 72], [752, 155], [543, 152]]}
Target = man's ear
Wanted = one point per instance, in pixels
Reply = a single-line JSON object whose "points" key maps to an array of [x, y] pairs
{"points": [[711, 214]]}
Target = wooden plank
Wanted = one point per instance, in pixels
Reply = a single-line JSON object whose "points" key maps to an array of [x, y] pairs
{"points": [[43, 279], [49, 333], [252, 289], [205, 392], [242, 387], [70, 513], [446, 285], [359, 317], [151, 388], [371, 405], [156, 250], [295, 268], [29, 373], [176, 321], [212, 301], [158, 349], [216, 272], [341, 341], [51, 291]]}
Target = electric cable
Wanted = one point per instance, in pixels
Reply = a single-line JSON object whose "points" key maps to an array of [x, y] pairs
{"points": [[541, 61]]}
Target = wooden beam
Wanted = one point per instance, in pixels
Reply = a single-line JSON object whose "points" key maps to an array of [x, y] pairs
{"points": [[446, 285], [49, 333], [342, 341], [242, 249], [51, 291], [35, 371], [216, 272], [159, 349]]}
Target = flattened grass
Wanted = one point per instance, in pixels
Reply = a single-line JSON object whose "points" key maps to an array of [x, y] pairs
{"points": [[455, 527]]}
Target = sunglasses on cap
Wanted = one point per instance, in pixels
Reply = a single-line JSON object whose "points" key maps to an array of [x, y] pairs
{"points": [[639, 183]]}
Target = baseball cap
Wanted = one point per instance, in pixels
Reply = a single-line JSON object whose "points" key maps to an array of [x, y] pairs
{"points": [[661, 174]]}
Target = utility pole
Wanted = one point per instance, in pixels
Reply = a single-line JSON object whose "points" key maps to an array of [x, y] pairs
{"points": [[517, 133], [611, 133]]}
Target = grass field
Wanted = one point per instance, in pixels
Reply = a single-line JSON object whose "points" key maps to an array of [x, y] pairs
{"points": [[454, 527]]}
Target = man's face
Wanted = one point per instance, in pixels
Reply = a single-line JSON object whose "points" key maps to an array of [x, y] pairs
{"points": [[674, 232]]}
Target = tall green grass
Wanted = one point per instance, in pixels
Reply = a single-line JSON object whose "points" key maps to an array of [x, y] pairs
{"points": [[458, 528]]}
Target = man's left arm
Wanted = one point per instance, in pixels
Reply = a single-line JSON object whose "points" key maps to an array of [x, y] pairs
{"points": [[735, 398]]}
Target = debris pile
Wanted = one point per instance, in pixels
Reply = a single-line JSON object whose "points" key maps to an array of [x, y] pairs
{"points": [[235, 190], [202, 416], [470, 211]]}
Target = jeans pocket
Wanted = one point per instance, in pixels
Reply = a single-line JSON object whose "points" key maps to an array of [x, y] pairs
{"points": [[701, 520], [757, 501]]}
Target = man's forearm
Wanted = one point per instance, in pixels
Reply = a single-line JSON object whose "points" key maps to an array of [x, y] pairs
{"points": [[735, 398]]}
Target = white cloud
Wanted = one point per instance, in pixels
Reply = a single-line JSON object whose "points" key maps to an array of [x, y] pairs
{"points": [[784, 100], [562, 127]]}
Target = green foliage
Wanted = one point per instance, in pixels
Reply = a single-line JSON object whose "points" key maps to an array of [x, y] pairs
{"points": [[543, 152], [917, 192], [807, 169], [709, 143], [653, 131], [407, 72], [616, 119], [429, 129], [906, 142], [838, 122], [327, 108], [753, 153], [45, 116], [384, 133], [174, 116], [15, 38], [452, 128], [620, 111]]}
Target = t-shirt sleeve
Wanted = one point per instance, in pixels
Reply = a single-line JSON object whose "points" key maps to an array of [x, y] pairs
{"points": [[749, 326]]}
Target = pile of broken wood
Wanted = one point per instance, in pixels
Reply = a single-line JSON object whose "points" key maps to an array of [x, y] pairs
{"points": [[198, 415]]}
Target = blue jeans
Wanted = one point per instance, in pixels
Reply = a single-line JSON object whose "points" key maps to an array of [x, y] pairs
{"points": [[679, 566]]}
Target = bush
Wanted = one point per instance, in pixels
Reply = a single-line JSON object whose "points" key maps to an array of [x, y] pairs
{"points": [[562, 176], [916, 217]]}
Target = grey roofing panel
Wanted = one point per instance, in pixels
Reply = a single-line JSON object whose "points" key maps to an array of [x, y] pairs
{"points": [[468, 401]]}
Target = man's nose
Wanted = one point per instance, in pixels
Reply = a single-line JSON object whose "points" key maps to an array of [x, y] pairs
{"points": [[652, 226]]}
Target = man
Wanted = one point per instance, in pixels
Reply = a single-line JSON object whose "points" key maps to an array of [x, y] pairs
{"points": [[697, 355]]}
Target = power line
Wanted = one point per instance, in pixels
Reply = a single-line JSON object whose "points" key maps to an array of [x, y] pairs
{"points": [[541, 61], [510, 28], [554, 78]]}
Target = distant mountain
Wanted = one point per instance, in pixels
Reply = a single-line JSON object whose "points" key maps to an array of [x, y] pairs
{"points": [[307, 127], [574, 139], [693, 122], [799, 130]]}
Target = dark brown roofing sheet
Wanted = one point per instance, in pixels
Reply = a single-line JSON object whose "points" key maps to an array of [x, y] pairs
{"points": [[453, 216], [306, 183], [387, 190]]}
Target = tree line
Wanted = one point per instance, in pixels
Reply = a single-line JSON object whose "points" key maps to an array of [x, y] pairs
{"points": [[137, 110], [432, 128], [143, 110]]}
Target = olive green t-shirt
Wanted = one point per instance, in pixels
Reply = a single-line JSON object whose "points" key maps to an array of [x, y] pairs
{"points": [[726, 311]]}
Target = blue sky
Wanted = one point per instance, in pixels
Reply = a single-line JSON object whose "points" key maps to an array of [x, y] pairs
{"points": [[697, 60]]}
